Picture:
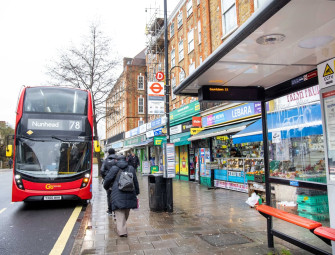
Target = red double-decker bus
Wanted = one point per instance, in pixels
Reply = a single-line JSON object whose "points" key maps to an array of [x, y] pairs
{"points": [[53, 145]]}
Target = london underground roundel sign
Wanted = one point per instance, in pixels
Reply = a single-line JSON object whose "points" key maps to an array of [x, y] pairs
{"points": [[156, 89], [160, 76]]}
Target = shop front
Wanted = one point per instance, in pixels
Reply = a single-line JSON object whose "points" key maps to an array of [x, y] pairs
{"points": [[182, 156], [180, 126], [215, 162], [296, 149]]}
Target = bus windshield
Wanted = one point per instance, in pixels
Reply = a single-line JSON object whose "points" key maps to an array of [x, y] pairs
{"points": [[52, 158], [55, 100]]}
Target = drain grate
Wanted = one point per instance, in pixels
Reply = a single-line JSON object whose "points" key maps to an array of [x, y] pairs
{"points": [[225, 239]]}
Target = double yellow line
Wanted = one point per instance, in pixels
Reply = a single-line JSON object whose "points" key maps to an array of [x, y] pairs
{"points": [[64, 236]]}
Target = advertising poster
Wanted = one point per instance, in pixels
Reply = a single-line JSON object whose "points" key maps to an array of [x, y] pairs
{"points": [[204, 158], [183, 158], [145, 167], [177, 159], [169, 160], [329, 112]]}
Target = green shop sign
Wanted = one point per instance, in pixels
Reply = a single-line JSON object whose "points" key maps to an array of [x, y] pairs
{"points": [[185, 111], [134, 140], [159, 140]]}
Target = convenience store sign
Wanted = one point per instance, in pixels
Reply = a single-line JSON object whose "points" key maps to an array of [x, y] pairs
{"points": [[185, 111], [232, 114]]}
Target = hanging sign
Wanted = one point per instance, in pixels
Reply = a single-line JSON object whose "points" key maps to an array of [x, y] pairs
{"points": [[196, 121], [156, 88], [160, 76], [195, 131]]}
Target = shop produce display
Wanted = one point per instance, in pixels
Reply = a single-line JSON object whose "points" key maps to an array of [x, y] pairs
{"points": [[285, 169]]}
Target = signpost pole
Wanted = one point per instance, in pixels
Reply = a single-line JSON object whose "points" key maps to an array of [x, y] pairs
{"points": [[169, 193]]}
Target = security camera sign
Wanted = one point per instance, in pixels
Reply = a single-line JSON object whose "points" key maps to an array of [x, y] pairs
{"points": [[326, 73]]}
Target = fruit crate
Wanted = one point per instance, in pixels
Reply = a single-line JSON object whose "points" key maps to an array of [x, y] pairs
{"points": [[206, 181], [259, 177], [312, 200], [313, 209], [316, 217], [310, 192], [310, 178], [250, 177]]}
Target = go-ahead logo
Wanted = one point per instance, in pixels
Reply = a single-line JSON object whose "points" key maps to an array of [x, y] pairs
{"points": [[50, 186]]}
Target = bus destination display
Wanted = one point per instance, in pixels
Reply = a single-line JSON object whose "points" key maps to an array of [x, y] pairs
{"points": [[60, 125]]}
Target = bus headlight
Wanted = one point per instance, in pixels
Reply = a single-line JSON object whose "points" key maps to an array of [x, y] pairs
{"points": [[85, 181], [18, 181]]}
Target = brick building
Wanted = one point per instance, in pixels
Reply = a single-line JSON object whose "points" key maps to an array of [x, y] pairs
{"points": [[126, 103]]}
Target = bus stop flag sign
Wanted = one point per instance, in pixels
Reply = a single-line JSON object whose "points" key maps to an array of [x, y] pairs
{"points": [[160, 76]]}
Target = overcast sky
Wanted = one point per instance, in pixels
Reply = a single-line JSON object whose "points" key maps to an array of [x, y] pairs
{"points": [[33, 32]]}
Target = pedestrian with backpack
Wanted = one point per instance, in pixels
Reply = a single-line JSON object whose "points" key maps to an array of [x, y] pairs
{"points": [[123, 181]]}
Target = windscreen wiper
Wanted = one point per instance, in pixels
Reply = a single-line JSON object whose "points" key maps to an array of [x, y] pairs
{"points": [[57, 138], [28, 138]]}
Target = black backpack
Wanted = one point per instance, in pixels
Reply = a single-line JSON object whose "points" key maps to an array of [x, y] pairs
{"points": [[126, 181]]}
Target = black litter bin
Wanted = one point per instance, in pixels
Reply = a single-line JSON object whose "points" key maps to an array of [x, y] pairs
{"points": [[157, 193]]}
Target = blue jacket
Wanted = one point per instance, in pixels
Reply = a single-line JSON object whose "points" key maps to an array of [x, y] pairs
{"points": [[121, 199]]}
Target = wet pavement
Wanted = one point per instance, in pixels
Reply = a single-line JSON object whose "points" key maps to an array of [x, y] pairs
{"points": [[204, 221]]}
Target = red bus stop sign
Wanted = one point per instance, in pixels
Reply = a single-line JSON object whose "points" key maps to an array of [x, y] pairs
{"points": [[160, 76]]}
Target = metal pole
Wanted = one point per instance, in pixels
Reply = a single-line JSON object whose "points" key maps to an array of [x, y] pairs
{"points": [[267, 172], [169, 193]]}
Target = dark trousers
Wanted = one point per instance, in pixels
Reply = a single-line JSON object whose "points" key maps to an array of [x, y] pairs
{"points": [[109, 203]]}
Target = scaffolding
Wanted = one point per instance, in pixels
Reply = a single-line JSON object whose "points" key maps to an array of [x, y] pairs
{"points": [[155, 42]]}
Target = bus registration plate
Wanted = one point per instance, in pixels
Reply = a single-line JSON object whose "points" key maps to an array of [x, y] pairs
{"points": [[52, 197]]}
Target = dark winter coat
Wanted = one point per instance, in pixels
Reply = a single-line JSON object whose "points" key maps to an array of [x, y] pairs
{"points": [[134, 161], [107, 165], [121, 199]]}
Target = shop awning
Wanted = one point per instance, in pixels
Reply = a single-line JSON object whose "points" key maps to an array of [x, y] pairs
{"points": [[124, 149], [297, 122], [228, 129], [180, 139], [147, 142]]}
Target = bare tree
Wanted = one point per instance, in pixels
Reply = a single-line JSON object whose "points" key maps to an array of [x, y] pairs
{"points": [[93, 67]]}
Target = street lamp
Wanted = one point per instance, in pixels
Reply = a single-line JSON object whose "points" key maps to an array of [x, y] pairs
{"points": [[169, 192]]}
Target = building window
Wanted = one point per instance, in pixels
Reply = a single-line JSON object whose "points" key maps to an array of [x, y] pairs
{"points": [[181, 50], [191, 67], [140, 105], [140, 82], [199, 31], [198, 2], [173, 58], [181, 76], [140, 123], [190, 41], [189, 7], [180, 19], [173, 86], [172, 29], [259, 3], [229, 18]]}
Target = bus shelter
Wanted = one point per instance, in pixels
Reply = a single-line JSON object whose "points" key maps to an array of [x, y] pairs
{"points": [[276, 53]]}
